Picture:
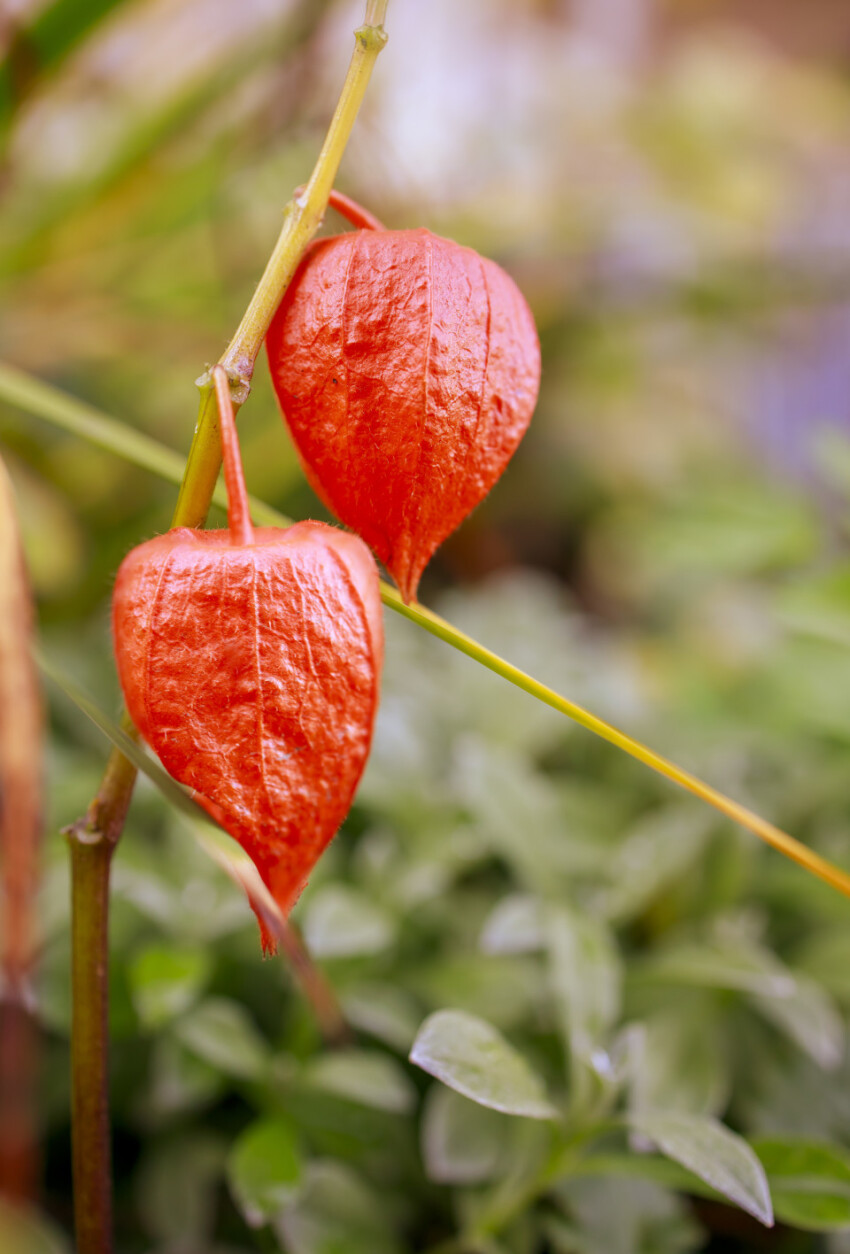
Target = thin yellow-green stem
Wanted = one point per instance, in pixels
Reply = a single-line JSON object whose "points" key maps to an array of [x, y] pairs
{"points": [[93, 839], [65, 411], [302, 218], [766, 831]]}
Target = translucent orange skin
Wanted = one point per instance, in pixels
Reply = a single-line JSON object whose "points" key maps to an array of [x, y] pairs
{"points": [[252, 671], [407, 368]]}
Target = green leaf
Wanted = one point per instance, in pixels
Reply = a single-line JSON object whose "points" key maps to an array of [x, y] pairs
{"points": [[177, 1188], [810, 1019], [221, 1033], [343, 923], [364, 1076], [809, 1182], [264, 1169], [505, 989], [825, 957], [507, 795], [679, 1062], [708, 1149], [180, 1082], [57, 27], [462, 1142], [713, 966], [585, 975], [385, 1012], [336, 1213], [514, 926], [166, 980], [624, 1216], [654, 854], [652, 1167], [585, 978], [472, 1058], [793, 1002]]}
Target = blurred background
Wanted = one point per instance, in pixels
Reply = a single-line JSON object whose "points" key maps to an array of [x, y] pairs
{"points": [[668, 181]]}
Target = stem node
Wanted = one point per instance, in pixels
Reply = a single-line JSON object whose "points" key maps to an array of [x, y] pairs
{"points": [[371, 38], [92, 839]]}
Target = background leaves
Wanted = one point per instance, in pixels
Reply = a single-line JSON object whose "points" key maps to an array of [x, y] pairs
{"points": [[670, 547]]}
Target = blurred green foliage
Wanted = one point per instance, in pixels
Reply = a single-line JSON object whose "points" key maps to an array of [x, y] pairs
{"points": [[594, 970]]}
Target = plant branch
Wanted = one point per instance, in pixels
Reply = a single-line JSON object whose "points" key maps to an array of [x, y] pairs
{"points": [[760, 827], [89, 1043], [302, 218], [72, 415], [93, 839]]}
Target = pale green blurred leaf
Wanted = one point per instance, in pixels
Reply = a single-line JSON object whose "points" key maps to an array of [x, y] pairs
{"points": [[221, 1033], [337, 1213], [810, 1019], [682, 1061], [505, 989], [364, 1076], [514, 926], [180, 1082], [585, 976], [264, 1169], [710, 966], [658, 851], [622, 1216], [387, 1013], [177, 1185], [340, 923], [462, 1142], [712, 1152], [825, 958], [728, 529], [165, 981], [475, 1060]]}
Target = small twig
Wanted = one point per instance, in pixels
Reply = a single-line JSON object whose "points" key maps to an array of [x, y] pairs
{"points": [[321, 996]]}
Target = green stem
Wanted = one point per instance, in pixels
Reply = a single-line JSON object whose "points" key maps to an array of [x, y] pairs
{"points": [[766, 831], [93, 839], [303, 217], [512, 1198], [89, 1043], [66, 412]]}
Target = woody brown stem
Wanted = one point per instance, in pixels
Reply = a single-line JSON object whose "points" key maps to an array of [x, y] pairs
{"points": [[91, 1149], [93, 839]]}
